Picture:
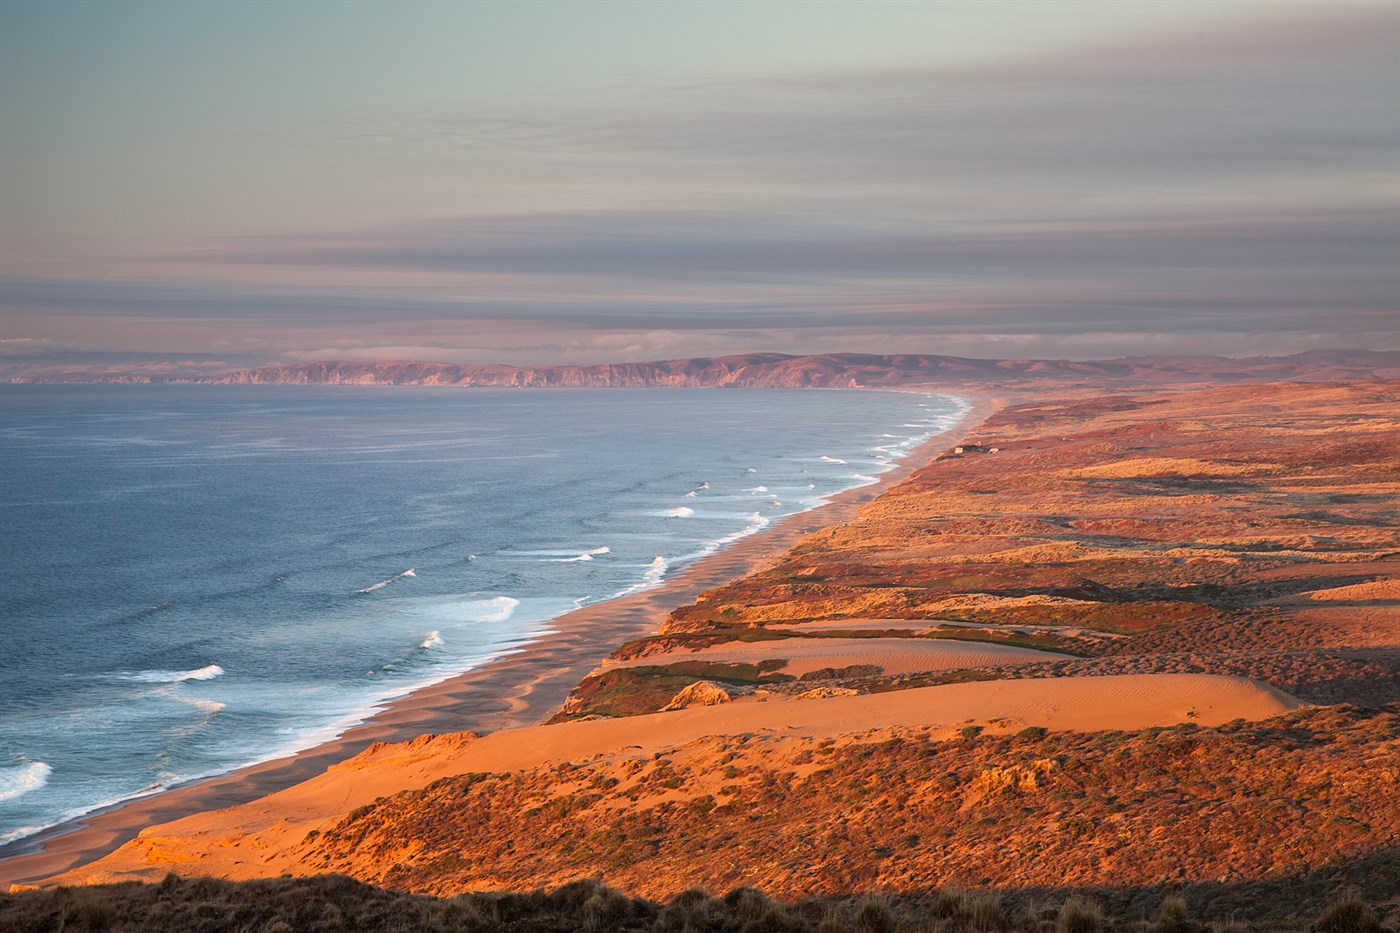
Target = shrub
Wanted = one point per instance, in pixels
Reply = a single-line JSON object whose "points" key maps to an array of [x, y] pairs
{"points": [[970, 732], [873, 915], [981, 910], [605, 909], [689, 910], [1034, 733], [746, 903], [774, 920], [88, 910], [1349, 915], [576, 893], [1172, 917], [1079, 916]]}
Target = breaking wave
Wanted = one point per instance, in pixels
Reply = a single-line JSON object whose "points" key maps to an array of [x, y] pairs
{"points": [[587, 555], [431, 640], [398, 576], [830, 459], [20, 780], [495, 609], [207, 672], [680, 512], [657, 570]]}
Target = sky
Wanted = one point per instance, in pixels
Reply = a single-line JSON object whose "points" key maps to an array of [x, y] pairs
{"points": [[210, 184]]}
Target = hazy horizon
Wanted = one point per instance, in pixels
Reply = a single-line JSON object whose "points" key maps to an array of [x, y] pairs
{"points": [[218, 185]]}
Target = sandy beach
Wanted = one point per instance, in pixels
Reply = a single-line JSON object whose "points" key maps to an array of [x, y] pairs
{"points": [[520, 689]]}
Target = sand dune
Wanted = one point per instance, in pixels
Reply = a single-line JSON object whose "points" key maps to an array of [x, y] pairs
{"points": [[257, 839], [891, 655], [1358, 592]]}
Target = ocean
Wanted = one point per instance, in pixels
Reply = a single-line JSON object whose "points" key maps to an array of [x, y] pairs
{"points": [[197, 578]]}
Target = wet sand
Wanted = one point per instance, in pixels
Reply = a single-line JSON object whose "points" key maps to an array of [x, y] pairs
{"points": [[523, 688]]}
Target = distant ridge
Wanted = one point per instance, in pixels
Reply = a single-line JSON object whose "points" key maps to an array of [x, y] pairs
{"points": [[776, 370]]}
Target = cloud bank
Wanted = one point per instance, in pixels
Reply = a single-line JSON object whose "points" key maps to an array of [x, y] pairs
{"points": [[1231, 189]]}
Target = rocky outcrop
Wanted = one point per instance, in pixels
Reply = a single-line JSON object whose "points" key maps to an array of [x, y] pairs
{"points": [[704, 693]]}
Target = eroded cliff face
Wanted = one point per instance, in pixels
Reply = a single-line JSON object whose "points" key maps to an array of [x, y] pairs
{"points": [[773, 370]]}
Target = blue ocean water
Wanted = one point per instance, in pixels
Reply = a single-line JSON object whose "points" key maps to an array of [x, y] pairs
{"points": [[196, 578]]}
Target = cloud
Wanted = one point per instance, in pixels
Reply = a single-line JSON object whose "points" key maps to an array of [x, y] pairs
{"points": [[1295, 93], [1228, 189], [1232, 272], [30, 346]]}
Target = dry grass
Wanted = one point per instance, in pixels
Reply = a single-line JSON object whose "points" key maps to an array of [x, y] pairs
{"points": [[337, 904]]}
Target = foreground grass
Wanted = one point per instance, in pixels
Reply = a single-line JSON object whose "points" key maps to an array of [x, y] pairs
{"points": [[334, 903]]}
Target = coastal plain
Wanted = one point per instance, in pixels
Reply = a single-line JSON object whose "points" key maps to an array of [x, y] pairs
{"points": [[1133, 644]]}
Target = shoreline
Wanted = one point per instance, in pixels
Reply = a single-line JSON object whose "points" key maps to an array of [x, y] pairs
{"points": [[521, 688]]}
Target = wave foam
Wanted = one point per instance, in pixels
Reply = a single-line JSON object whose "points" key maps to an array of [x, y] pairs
{"points": [[657, 570], [681, 512], [209, 708], [587, 555], [28, 776], [495, 609], [398, 576], [207, 672], [758, 489], [432, 639], [830, 459], [384, 583]]}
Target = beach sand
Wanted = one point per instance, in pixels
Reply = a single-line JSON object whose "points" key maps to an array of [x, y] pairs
{"points": [[520, 689]]}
